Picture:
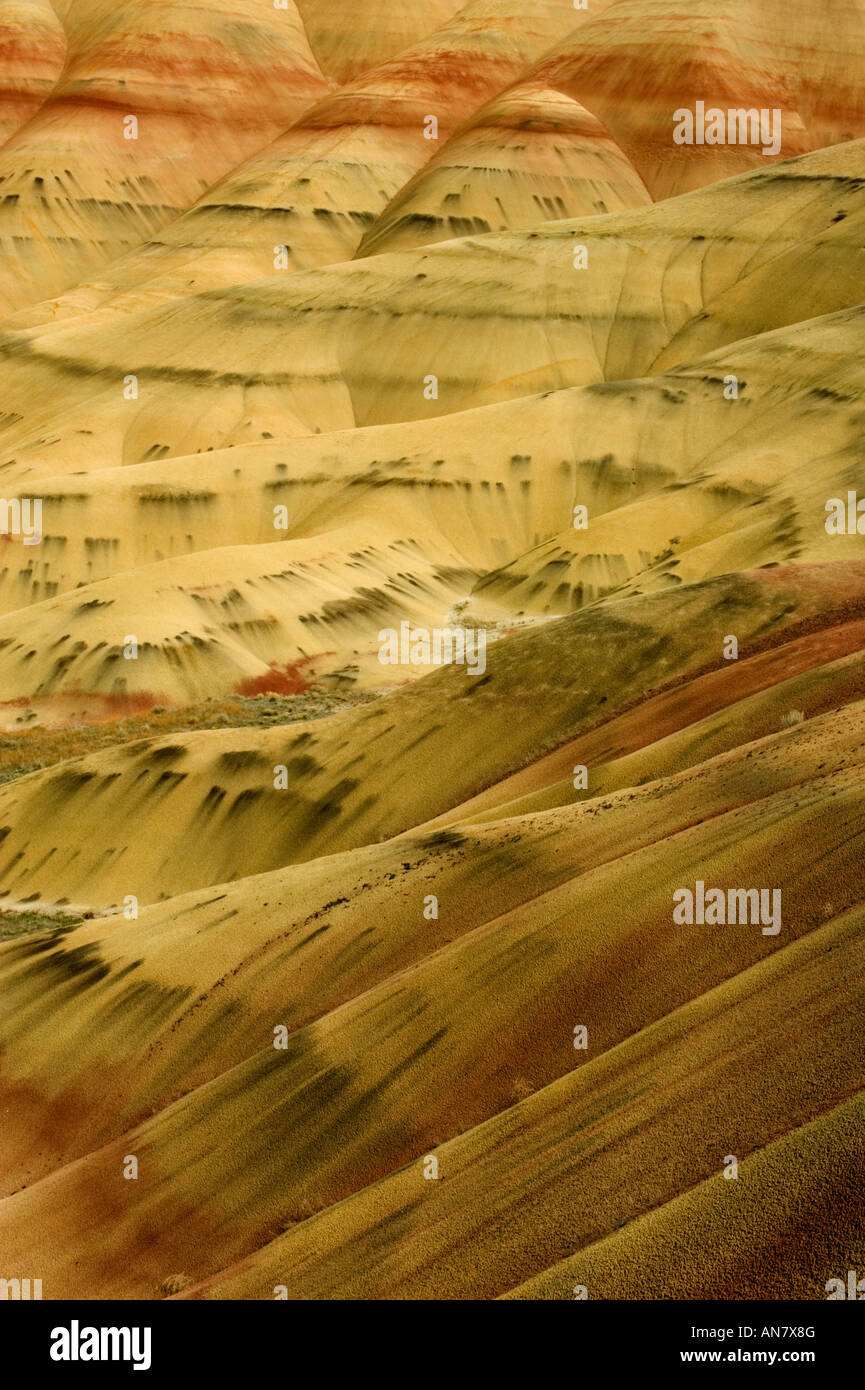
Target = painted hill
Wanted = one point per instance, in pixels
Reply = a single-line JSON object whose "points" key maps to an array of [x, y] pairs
{"points": [[303, 355], [169, 97], [32, 53], [343, 783], [326, 324], [307, 198]]}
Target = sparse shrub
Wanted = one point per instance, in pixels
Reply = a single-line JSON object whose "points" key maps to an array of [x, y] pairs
{"points": [[793, 716], [16, 923], [175, 1283]]}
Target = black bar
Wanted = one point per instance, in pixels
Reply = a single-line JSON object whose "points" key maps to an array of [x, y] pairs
{"points": [[258, 1339]]}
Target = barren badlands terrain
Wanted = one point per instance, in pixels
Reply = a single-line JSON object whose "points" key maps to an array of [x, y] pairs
{"points": [[432, 648]]}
